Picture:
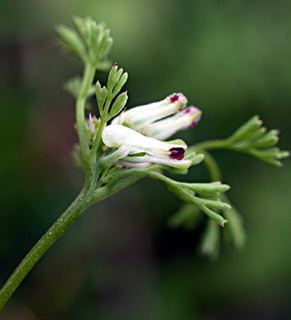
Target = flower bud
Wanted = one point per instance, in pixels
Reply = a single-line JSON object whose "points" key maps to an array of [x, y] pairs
{"points": [[93, 124], [141, 116], [165, 128]]}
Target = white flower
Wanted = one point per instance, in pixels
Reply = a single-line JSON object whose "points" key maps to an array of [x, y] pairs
{"points": [[144, 149], [141, 116], [165, 128]]}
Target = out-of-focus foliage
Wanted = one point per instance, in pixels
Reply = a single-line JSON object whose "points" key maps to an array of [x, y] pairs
{"points": [[120, 260]]}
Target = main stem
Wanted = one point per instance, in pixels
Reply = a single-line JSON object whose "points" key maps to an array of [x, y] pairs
{"points": [[87, 197], [79, 205], [89, 72]]}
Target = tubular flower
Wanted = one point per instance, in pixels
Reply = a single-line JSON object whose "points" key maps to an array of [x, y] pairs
{"points": [[141, 116], [165, 128], [145, 150]]}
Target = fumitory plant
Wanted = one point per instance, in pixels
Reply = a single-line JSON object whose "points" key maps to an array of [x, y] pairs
{"points": [[118, 147]]}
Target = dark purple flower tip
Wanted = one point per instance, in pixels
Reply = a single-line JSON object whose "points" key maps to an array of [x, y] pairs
{"points": [[177, 153], [174, 98]]}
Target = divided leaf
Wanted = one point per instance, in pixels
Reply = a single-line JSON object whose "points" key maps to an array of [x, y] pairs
{"points": [[253, 139]]}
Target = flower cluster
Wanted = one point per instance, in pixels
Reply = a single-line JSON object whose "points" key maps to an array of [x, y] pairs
{"points": [[142, 128]]}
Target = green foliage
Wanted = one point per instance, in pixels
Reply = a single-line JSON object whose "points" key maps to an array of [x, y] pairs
{"points": [[71, 42], [210, 240], [253, 139], [234, 229], [188, 216], [73, 86], [89, 41], [116, 80]]}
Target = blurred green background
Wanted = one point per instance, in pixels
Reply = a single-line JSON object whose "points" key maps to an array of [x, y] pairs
{"points": [[120, 260]]}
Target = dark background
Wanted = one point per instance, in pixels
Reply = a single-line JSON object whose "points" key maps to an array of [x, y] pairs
{"points": [[120, 260]]}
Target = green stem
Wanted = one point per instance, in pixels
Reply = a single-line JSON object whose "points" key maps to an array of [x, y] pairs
{"points": [[86, 198], [211, 144], [95, 151], [209, 161], [78, 206], [212, 167], [88, 76], [107, 191], [47, 240]]}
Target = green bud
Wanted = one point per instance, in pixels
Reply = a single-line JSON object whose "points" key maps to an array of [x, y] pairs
{"points": [[212, 215], [266, 153], [105, 45], [84, 27], [257, 133], [97, 40], [120, 84], [267, 140], [117, 76], [118, 105], [215, 204], [207, 188], [101, 94], [111, 77], [97, 35], [106, 49], [283, 154], [79, 24], [246, 128], [270, 155], [71, 41]]}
